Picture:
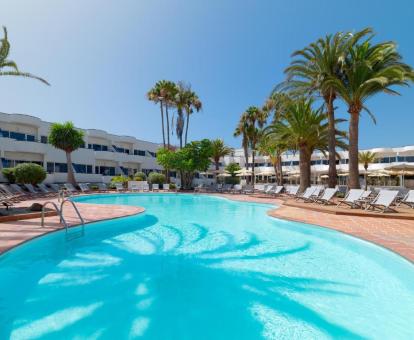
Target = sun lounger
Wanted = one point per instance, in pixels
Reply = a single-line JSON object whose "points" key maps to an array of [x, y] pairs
{"points": [[155, 187], [166, 187], [102, 187], [33, 191], [237, 189], [44, 189], [10, 195], [119, 186], [248, 189], [292, 190], [327, 196], [269, 189], [351, 198], [307, 194], [134, 187], [84, 187], [71, 189], [55, 187], [383, 201], [408, 199], [17, 189]]}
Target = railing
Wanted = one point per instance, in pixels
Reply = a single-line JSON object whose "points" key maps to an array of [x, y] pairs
{"points": [[60, 212]]}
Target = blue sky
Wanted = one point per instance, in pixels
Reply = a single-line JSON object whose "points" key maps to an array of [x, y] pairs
{"points": [[101, 57]]}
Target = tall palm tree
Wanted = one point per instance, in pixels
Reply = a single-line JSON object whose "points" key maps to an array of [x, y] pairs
{"points": [[310, 72], [241, 130], [9, 67], [365, 158], [304, 129], [368, 69], [168, 92], [67, 138], [219, 150], [193, 103], [181, 102], [156, 95], [255, 120]]}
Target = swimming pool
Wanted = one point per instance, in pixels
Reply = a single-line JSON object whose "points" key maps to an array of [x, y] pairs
{"points": [[201, 267]]}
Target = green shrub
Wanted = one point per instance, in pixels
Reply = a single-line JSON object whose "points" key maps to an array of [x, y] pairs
{"points": [[9, 174], [119, 179], [173, 186], [140, 176], [29, 173], [94, 187], [156, 178]]}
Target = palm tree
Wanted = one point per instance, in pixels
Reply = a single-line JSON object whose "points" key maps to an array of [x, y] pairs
{"points": [[368, 69], [304, 129], [194, 103], [241, 130], [255, 120], [9, 67], [365, 158], [219, 150], [67, 138], [273, 148], [156, 95], [310, 73], [168, 92], [181, 102]]}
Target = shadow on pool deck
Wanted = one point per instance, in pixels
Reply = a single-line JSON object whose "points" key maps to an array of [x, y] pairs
{"points": [[160, 290]]}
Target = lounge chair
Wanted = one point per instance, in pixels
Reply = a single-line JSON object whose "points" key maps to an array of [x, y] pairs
{"points": [[278, 190], [237, 189], [17, 189], [119, 186], [248, 189], [364, 199], [166, 187], [33, 191], [327, 196], [351, 198], [10, 195], [292, 190], [155, 187], [44, 189], [408, 199], [55, 187], [383, 201], [145, 186], [269, 189], [307, 194], [71, 189], [102, 187], [199, 188], [84, 187]]}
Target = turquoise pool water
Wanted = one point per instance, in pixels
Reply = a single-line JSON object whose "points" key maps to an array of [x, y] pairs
{"points": [[199, 267]]}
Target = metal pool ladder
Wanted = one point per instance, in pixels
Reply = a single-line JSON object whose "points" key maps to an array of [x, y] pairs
{"points": [[61, 216]]}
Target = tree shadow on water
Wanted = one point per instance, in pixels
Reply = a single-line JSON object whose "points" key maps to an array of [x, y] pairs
{"points": [[178, 283]]}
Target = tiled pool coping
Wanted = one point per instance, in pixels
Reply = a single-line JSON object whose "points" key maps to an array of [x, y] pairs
{"points": [[392, 233]]}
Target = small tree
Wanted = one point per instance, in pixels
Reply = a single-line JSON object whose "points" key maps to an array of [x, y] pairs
{"points": [[232, 168], [365, 158], [140, 176], [29, 173], [9, 174], [195, 156], [67, 138]]}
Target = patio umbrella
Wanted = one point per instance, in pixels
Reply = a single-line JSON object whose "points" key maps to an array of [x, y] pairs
{"points": [[324, 176], [401, 169], [224, 174], [243, 172], [266, 173]]}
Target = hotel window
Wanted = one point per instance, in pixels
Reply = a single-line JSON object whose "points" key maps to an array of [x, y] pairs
{"points": [[393, 159], [30, 138], [104, 147], [61, 167], [409, 159], [295, 163], [43, 139], [18, 136], [5, 133], [50, 168], [139, 152], [6, 163]]}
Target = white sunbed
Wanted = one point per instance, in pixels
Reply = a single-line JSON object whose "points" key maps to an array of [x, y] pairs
{"points": [[408, 199], [43, 188], [32, 190], [383, 201], [134, 187], [351, 198], [102, 187], [237, 189], [166, 187], [292, 190], [155, 187], [70, 188], [269, 189], [307, 194], [327, 196], [119, 186], [84, 187]]}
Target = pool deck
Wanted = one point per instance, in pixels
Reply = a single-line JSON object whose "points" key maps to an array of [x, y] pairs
{"points": [[388, 231]]}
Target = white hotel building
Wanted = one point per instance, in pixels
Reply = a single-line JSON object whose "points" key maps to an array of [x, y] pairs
{"points": [[23, 138]]}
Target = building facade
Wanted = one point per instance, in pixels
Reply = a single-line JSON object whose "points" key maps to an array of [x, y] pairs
{"points": [[24, 138]]}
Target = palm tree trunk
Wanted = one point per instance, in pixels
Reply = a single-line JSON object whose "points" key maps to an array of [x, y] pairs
{"points": [[71, 175], [332, 180], [304, 167], [186, 128], [168, 125], [253, 158], [366, 177], [276, 168], [353, 149], [162, 124], [279, 164]]}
